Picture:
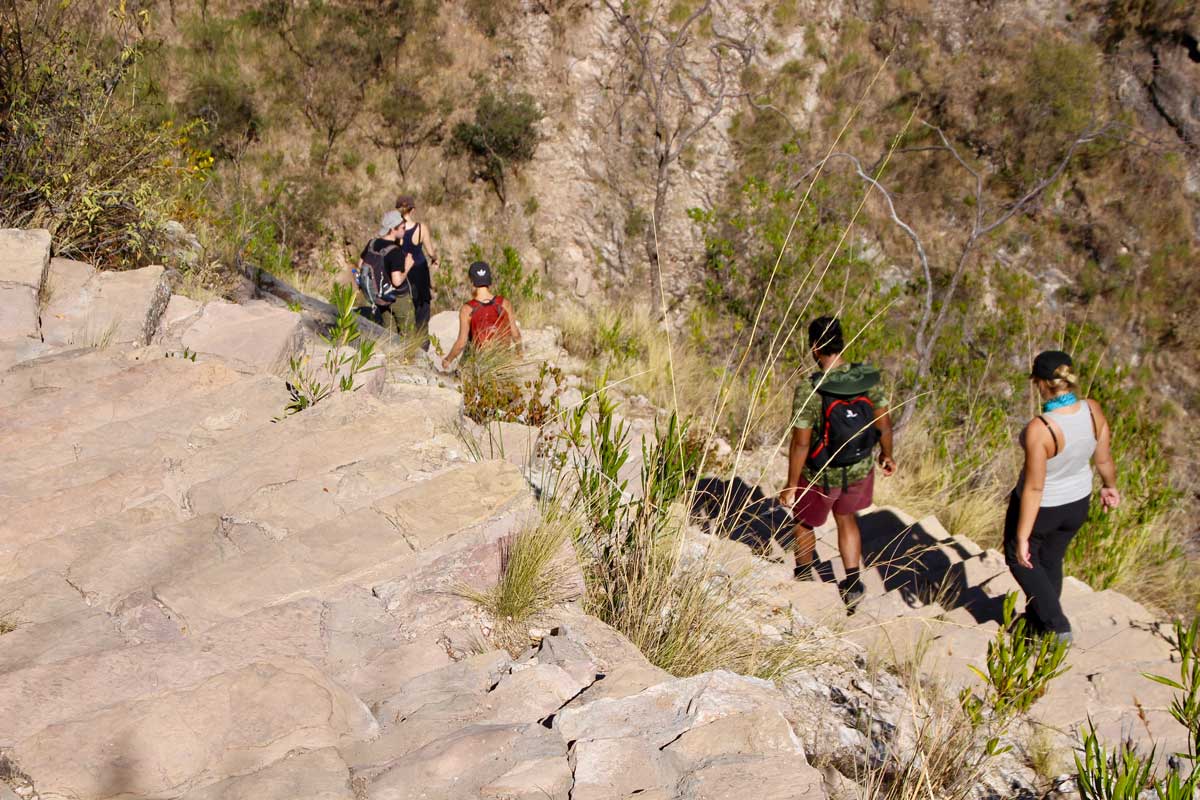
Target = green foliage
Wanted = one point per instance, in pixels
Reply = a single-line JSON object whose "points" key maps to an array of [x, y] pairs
{"points": [[494, 390], [532, 578], [348, 356], [508, 272], [503, 136], [1125, 774], [1019, 668], [78, 153]]}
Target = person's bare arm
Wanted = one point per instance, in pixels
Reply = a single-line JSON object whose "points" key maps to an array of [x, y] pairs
{"points": [[883, 423], [426, 242], [1037, 442], [1109, 496], [464, 330], [513, 330], [797, 457]]}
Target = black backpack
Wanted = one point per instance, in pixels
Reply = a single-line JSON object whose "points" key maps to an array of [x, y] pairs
{"points": [[847, 432], [374, 279]]}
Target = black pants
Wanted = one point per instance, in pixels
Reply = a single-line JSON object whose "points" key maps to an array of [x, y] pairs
{"points": [[421, 314], [1053, 530]]}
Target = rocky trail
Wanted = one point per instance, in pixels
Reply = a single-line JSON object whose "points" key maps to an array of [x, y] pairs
{"points": [[198, 600]]}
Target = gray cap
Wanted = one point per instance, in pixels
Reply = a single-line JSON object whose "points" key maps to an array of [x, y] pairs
{"points": [[392, 219]]}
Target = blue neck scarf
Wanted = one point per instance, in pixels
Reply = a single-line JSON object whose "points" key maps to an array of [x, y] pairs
{"points": [[1061, 401]]}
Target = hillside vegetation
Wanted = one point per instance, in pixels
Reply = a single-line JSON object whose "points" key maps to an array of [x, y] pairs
{"points": [[964, 185]]}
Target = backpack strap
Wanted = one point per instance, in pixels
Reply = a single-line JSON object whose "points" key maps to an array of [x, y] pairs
{"points": [[1053, 435]]}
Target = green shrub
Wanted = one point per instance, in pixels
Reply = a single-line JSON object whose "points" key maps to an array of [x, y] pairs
{"points": [[339, 369], [78, 154], [508, 272], [1019, 669], [503, 136]]}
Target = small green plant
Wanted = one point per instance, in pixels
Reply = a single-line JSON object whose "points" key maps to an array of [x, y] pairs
{"points": [[494, 390], [1126, 774], [295, 307], [348, 356], [187, 354], [1019, 668]]}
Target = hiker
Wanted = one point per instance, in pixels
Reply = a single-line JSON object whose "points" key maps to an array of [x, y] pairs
{"points": [[486, 318], [418, 255], [838, 419], [380, 274], [1052, 496]]}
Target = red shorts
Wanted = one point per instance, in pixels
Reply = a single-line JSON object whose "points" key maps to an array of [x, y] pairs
{"points": [[813, 502]]}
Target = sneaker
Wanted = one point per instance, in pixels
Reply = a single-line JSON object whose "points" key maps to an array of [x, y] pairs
{"points": [[1066, 638], [851, 590]]}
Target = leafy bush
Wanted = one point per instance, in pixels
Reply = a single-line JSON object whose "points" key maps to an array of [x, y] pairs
{"points": [[1126, 774], [78, 154], [494, 390], [503, 136], [509, 274], [1019, 669], [348, 356]]}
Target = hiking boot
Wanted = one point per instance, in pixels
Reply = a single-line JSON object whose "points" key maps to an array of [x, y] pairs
{"points": [[1065, 638], [806, 572], [851, 590]]}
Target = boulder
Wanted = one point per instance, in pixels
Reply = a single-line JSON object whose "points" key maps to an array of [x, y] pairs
{"points": [[619, 768], [180, 312], [459, 765], [532, 694], [777, 778], [24, 257], [24, 261], [315, 775], [443, 331], [229, 725], [254, 337], [108, 308], [546, 778], [662, 712], [1176, 89], [754, 733], [18, 313]]}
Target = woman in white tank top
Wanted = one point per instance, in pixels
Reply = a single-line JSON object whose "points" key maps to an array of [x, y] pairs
{"points": [[1052, 497]]}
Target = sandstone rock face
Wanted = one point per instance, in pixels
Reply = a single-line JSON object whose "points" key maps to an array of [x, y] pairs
{"points": [[105, 308], [24, 259], [443, 331], [255, 337], [203, 599]]}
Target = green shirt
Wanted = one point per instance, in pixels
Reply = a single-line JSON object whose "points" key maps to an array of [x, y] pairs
{"points": [[806, 411]]}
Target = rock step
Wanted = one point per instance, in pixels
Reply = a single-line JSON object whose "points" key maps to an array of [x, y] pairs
{"points": [[221, 476], [196, 420], [393, 534], [139, 387]]}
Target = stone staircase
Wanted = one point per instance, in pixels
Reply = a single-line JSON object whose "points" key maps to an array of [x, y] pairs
{"points": [[934, 602], [199, 601]]}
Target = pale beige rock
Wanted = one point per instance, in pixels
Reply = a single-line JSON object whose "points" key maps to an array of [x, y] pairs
{"points": [[315, 775], [443, 331], [229, 725], [179, 313], [109, 308], [458, 766], [18, 313], [532, 694], [22, 350], [664, 711], [35, 698], [779, 778], [255, 337], [609, 768], [753, 733], [361, 547], [385, 674], [24, 257], [86, 631], [475, 675], [547, 778], [404, 735]]}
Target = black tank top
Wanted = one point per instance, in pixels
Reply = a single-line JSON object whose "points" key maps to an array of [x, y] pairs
{"points": [[417, 251]]}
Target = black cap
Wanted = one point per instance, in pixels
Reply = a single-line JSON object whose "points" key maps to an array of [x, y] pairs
{"points": [[1047, 363], [480, 273]]}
